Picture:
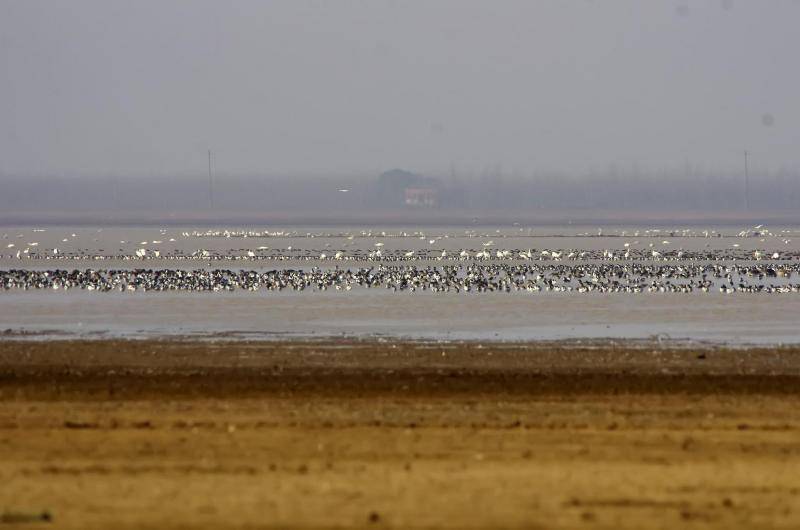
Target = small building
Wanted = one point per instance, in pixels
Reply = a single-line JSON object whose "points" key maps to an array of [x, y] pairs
{"points": [[421, 197], [398, 188]]}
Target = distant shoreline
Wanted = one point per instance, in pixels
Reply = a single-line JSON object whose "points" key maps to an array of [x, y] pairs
{"points": [[455, 218]]}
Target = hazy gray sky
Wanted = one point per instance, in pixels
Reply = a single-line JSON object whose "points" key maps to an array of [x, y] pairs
{"points": [[271, 86]]}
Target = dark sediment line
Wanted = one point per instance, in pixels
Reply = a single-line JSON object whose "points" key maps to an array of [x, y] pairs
{"points": [[118, 369], [121, 384]]}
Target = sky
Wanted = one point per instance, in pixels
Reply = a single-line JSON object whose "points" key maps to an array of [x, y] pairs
{"points": [[94, 87]]}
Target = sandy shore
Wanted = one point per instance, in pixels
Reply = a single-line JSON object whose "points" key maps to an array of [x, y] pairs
{"points": [[314, 434]]}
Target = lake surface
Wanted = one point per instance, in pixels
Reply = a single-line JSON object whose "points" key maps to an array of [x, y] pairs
{"points": [[738, 318]]}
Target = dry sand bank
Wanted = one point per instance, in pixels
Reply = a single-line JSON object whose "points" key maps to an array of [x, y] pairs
{"points": [[188, 434]]}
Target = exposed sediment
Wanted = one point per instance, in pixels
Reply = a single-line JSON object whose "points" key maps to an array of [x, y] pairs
{"points": [[375, 433]]}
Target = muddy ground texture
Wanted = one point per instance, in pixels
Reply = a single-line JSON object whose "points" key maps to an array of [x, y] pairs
{"points": [[392, 434]]}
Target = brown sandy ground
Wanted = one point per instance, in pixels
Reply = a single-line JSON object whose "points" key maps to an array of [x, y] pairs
{"points": [[181, 434]]}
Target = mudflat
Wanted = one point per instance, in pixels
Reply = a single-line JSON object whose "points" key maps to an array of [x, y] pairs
{"points": [[397, 434]]}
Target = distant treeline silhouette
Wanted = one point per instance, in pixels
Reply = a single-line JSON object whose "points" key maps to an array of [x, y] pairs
{"points": [[666, 192]]}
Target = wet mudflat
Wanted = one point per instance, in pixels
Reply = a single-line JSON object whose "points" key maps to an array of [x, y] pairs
{"points": [[386, 434]]}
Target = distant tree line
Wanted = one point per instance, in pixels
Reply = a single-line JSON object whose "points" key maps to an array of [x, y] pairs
{"points": [[663, 192]]}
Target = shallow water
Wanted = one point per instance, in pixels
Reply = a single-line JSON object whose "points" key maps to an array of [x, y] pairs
{"points": [[491, 316], [736, 319]]}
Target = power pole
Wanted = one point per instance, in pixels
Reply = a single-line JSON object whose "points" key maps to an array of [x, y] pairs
{"points": [[210, 183], [746, 185]]}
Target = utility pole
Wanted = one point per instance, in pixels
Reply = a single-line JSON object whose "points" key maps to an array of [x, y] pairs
{"points": [[746, 185], [210, 183], [116, 192]]}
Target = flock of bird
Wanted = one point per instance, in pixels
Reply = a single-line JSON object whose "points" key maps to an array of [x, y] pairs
{"points": [[770, 278], [644, 261], [756, 231], [349, 246], [382, 255]]}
